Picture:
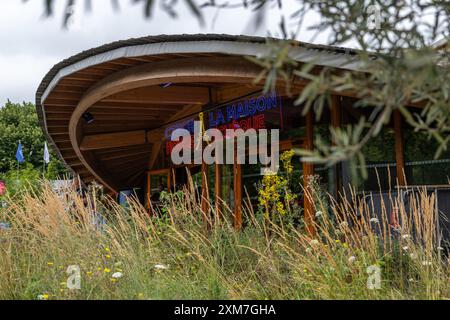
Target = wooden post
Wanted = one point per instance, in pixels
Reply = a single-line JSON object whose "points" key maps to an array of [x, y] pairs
{"points": [[205, 197], [237, 191], [336, 112], [399, 149], [218, 190], [149, 192], [169, 180], [308, 172]]}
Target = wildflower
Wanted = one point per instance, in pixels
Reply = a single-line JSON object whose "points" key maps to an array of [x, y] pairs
{"points": [[161, 267], [89, 273], [106, 270], [308, 250], [411, 280], [140, 295], [113, 280], [318, 214], [405, 248], [337, 241], [43, 296], [107, 250], [406, 236], [426, 263], [117, 275], [351, 259], [108, 256], [374, 220], [50, 264], [413, 255], [314, 242]]}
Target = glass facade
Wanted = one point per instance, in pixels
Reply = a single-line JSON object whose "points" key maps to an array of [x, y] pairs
{"points": [[379, 153], [281, 113], [421, 167]]}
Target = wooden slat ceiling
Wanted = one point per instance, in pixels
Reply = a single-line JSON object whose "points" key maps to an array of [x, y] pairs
{"points": [[137, 109]]}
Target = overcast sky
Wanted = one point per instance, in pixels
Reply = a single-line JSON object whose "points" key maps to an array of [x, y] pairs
{"points": [[31, 44]]}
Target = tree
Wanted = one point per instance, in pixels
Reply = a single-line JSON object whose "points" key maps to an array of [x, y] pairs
{"points": [[19, 122]]}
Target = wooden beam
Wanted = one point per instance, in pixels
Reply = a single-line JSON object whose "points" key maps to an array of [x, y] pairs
{"points": [[308, 172], [399, 149], [119, 139], [162, 96], [113, 140]]}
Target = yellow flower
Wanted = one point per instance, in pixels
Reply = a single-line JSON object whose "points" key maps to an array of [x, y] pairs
{"points": [[108, 256], [106, 270], [50, 264], [107, 250], [44, 296], [113, 280], [140, 295], [89, 273]]}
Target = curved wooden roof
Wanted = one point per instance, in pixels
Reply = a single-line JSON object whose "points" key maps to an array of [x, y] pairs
{"points": [[120, 85]]}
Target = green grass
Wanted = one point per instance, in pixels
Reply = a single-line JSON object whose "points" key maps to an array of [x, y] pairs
{"points": [[263, 261]]}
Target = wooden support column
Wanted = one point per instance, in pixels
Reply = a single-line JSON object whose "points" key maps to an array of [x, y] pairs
{"points": [[336, 120], [308, 172], [218, 190], [149, 192], [399, 149], [205, 196], [237, 169]]}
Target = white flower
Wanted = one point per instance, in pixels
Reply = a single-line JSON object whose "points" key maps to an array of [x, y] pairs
{"points": [[405, 236], [117, 275], [318, 214], [308, 250], [161, 267], [314, 242], [411, 280], [351, 259], [426, 263], [405, 248], [374, 220]]}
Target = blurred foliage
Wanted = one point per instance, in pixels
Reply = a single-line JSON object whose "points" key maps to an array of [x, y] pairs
{"points": [[19, 122]]}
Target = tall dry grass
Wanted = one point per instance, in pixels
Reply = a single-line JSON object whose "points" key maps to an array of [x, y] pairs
{"points": [[176, 255]]}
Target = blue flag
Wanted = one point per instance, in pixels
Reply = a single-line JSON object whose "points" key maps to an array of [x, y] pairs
{"points": [[19, 154]]}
